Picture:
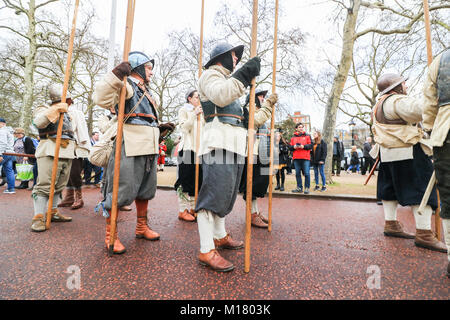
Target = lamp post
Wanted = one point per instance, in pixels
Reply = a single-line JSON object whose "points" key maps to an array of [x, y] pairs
{"points": [[352, 125]]}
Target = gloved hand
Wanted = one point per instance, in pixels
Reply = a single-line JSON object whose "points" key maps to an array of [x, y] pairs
{"points": [[272, 99], [164, 129], [248, 71], [53, 112], [122, 70]]}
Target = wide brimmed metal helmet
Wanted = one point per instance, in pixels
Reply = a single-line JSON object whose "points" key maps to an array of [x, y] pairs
{"points": [[55, 92], [138, 60], [389, 81], [258, 92], [221, 49]]}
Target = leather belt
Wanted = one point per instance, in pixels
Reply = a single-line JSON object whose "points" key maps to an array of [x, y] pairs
{"points": [[144, 115], [224, 115]]}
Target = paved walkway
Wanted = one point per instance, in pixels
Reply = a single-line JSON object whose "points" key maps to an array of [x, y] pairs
{"points": [[318, 249]]}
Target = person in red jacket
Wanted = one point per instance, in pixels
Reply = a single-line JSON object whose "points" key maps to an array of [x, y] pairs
{"points": [[301, 144], [162, 156]]}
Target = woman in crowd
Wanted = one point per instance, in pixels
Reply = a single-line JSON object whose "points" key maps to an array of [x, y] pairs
{"points": [[354, 160], [283, 157], [318, 156]]}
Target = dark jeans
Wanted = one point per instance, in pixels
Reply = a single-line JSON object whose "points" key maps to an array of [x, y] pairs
{"points": [[367, 165], [319, 168], [336, 162], [7, 164], [302, 165]]}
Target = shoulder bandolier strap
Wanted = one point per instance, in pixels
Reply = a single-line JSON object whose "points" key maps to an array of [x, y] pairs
{"points": [[379, 112]]}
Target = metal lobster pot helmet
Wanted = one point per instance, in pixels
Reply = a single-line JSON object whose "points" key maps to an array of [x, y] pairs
{"points": [[258, 92], [138, 60], [389, 81], [220, 51], [55, 93]]}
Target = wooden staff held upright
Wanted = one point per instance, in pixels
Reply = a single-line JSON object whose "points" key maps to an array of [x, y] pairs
{"points": [[199, 116], [61, 117], [426, 14], [272, 123], [120, 117], [251, 142]]}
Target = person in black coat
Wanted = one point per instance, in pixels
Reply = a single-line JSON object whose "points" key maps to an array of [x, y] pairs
{"points": [[283, 158], [354, 160], [338, 155], [318, 156]]}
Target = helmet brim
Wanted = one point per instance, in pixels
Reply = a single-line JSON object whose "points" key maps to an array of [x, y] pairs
{"points": [[238, 50], [392, 86]]}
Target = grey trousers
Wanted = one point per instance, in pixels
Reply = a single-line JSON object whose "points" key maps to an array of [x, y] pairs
{"points": [[222, 172], [137, 179], [45, 166]]}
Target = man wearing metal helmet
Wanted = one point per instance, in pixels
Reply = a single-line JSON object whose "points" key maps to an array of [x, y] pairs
{"points": [[185, 184], [436, 119], [223, 148], [405, 165], [46, 119], [261, 163], [140, 147]]}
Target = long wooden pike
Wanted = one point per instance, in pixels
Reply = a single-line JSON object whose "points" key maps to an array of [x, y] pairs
{"points": [[251, 142], [199, 119], [272, 122], [61, 118], [426, 14], [120, 117]]}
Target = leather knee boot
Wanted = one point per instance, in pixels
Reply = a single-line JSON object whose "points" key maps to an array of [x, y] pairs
{"points": [[142, 229], [118, 246], [78, 203], [68, 199]]}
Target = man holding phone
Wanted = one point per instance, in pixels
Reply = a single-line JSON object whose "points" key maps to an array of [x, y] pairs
{"points": [[301, 144]]}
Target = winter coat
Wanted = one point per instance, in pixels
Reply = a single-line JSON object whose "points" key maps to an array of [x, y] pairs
{"points": [[284, 153], [355, 158], [306, 141], [319, 153]]}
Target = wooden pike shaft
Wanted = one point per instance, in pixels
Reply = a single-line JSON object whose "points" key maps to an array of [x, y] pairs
{"points": [[120, 117], [61, 117], [199, 119], [272, 122], [372, 171], [251, 142], [426, 14]]}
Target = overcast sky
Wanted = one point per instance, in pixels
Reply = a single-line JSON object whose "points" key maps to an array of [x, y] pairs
{"points": [[155, 19]]}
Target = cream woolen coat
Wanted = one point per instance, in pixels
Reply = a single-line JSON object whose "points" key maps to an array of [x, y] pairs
{"points": [[434, 117], [138, 140], [217, 85]]}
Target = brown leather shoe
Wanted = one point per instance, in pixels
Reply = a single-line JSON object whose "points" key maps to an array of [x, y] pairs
{"points": [[394, 229], [68, 199], [118, 246], [215, 261], [186, 216], [143, 231], [264, 219], [193, 213], [78, 203], [58, 217], [38, 223], [228, 243], [125, 208], [257, 221], [427, 239]]}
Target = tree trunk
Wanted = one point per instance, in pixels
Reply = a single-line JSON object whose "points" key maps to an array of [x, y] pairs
{"points": [[30, 65], [340, 78]]}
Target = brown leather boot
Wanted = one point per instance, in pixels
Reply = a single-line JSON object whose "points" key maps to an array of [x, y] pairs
{"points": [[68, 199], [215, 261], [394, 229], [38, 223], [427, 239], [257, 221], [228, 243], [118, 246], [78, 203], [186, 216], [58, 217], [142, 229]]}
